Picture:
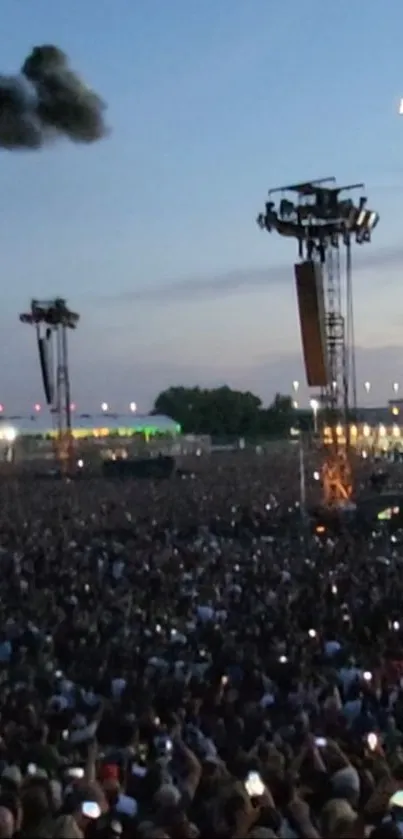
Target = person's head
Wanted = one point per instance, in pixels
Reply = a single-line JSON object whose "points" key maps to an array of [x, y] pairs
{"points": [[7, 824], [36, 805], [346, 785], [337, 815], [11, 778], [11, 801], [109, 778], [67, 828], [166, 797]]}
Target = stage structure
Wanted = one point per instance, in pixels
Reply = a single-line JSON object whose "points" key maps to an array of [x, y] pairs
{"points": [[325, 220], [52, 320]]}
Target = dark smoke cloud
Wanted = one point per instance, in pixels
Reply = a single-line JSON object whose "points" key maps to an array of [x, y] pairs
{"points": [[46, 101]]}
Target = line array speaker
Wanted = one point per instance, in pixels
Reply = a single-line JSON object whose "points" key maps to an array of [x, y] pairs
{"points": [[311, 307]]}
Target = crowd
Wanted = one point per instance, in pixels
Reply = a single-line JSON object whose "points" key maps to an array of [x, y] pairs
{"points": [[187, 659]]}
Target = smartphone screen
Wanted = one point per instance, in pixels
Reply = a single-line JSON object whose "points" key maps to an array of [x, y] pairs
{"points": [[254, 785], [90, 809], [76, 772]]}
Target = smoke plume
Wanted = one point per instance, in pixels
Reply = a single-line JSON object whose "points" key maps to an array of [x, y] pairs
{"points": [[47, 101]]}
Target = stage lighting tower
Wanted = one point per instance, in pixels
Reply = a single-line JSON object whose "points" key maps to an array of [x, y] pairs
{"points": [[325, 220], [52, 320]]}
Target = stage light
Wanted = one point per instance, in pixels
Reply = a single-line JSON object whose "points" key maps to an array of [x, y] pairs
{"points": [[372, 219], [366, 220], [364, 223], [287, 209]]}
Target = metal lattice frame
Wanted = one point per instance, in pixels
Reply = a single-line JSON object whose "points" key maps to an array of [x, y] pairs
{"points": [[56, 319], [322, 218]]}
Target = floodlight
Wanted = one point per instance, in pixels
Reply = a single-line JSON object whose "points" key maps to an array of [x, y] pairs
{"points": [[287, 209]]}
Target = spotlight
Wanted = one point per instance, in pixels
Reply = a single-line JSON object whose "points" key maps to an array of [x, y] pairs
{"points": [[287, 209]]}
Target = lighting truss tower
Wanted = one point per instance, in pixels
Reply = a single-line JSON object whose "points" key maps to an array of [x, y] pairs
{"points": [[324, 220], [52, 319]]}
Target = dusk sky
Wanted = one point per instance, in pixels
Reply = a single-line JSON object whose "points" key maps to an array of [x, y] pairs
{"points": [[151, 234]]}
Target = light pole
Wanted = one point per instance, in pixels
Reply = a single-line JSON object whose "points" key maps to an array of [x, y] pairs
{"points": [[315, 408], [295, 387]]}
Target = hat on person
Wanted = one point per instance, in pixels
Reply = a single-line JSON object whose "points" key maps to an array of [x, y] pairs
{"points": [[12, 773]]}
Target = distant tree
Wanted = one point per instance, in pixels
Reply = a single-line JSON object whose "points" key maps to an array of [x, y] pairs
{"points": [[219, 411], [223, 412]]}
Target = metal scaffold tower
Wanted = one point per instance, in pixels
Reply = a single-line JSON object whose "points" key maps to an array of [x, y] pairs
{"points": [[52, 320], [324, 220]]}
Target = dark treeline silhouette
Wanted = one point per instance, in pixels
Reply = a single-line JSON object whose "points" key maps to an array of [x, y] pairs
{"points": [[223, 412]]}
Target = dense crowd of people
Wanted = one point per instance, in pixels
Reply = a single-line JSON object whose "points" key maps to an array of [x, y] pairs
{"points": [[186, 658]]}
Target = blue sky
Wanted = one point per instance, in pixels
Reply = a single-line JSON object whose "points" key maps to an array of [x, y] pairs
{"points": [[151, 234]]}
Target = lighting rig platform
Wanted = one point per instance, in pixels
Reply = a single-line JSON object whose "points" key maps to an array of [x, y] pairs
{"points": [[324, 220], [52, 320]]}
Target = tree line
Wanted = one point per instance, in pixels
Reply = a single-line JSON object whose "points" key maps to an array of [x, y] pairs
{"points": [[225, 413]]}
